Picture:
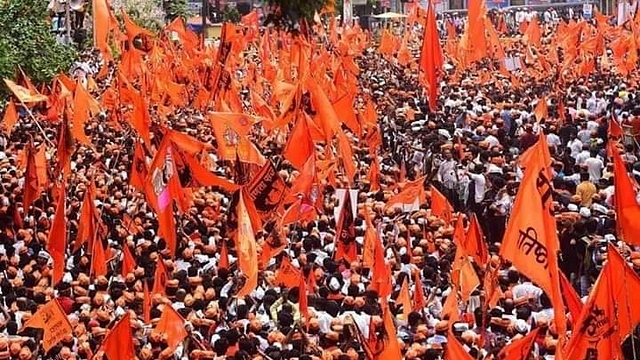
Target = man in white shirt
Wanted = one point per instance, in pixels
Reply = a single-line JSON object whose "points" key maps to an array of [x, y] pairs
{"points": [[583, 155], [594, 165]]}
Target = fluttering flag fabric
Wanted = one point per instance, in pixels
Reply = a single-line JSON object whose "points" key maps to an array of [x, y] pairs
{"points": [[455, 350], [57, 241], [411, 192], [160, 277], [626, 206], [440, 206], [571, 298], [128, 261], [530, 241], [32, 186], [139, 168], [431, 59], [23, 94], [247, 249], [171, 325], [610, 313], [519, 349], [118, 344], [10, 117], [346, 246], [53, 320]]}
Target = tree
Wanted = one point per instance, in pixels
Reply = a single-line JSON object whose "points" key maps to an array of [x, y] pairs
{"points": [[175, 8], [26, 40], [290, 13], [231, 14]]}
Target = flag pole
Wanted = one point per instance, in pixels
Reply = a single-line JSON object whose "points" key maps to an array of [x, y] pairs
{"points": [[44, 134]]}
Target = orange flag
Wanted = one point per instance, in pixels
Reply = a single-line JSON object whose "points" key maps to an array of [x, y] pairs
{"points": [[247, 249], [610, 314], [374, 174], [519, 349], [146, 303], [160, 277], [101, 25], [419, 301], [404, 299], [171, 324], [411, 192], [139, 168], [455, 350], [10, 117], [450, 309], [231, 130], [57, 241], [224, 256], [346, 246], [98, 259], [627, 209], [300, 145], [52, 319], [531, 241], [303, 301], [32, 186], [571, 298], [89, 220], [391, 349], [118, 344], [128, 261], [541, 110], [440, 206], [464, 275], [533, 33], [81, 113], [287, 274], [370, 239], [65, 148], [475, 244], [23, 94], [431, 60]]}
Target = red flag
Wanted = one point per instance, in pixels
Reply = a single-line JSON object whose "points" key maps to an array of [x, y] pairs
{"points": [[440, 206], [627, 209]]}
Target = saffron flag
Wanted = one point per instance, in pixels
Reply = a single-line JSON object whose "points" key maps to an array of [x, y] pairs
{"points": [[171, 324], [519, 349], [627, 209], [57, 241], [118, 344], [247, 248], [610, 314], [23, 94], [267, 190], [53, 320], [346, 247], [431, 59], [531, 240]]}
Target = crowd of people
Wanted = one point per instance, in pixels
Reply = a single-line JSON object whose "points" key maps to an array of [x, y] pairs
{"points": [[469, 150]]}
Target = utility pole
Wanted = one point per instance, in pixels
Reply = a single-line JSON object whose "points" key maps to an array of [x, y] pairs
{"points": [[67, 22], [205, 13]]}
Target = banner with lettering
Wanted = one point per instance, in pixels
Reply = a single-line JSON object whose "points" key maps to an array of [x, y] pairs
{"points": [[531, 241], [52, 319], [267, 190]]}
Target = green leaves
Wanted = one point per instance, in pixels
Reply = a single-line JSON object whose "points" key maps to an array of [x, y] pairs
{"points": [[175, 8], [26, 40], [289, 13]]}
